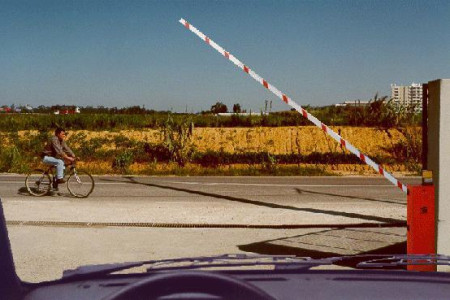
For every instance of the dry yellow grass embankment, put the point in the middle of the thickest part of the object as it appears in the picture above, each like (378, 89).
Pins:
(280, 140)
(286, 140)
(277, 140)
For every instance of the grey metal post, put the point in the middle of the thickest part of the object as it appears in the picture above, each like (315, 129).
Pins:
(438, 158)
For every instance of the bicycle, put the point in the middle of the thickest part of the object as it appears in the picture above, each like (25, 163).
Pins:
(39, 182)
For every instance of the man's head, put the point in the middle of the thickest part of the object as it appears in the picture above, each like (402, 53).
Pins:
(60, 133)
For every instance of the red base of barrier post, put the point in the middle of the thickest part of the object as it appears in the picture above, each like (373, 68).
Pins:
(421, 235)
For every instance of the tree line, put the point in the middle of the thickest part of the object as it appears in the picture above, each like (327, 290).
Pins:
(380, 112)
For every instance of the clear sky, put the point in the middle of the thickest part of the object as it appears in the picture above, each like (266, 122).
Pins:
(123, 53)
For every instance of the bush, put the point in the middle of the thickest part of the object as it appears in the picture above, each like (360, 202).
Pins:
(158, 153)
(12, 160)
(177, 140)
(210, 159)
(270, 161)
(408, 150)
(123, 161)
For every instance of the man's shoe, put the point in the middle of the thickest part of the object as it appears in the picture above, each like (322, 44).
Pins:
(61, 181)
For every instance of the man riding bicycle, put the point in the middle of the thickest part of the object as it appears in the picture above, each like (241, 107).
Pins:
(56, 152)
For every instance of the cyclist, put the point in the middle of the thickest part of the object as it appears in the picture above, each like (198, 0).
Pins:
(56, 152)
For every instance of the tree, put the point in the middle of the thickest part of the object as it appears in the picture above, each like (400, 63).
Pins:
(219, 107)
(237, 108)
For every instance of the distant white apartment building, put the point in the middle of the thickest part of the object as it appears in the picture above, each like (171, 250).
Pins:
(407, 96)
(353, 103)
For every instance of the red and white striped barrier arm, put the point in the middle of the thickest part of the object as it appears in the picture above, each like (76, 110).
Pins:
(297, 107)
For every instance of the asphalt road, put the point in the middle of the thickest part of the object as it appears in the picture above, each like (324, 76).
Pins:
(134, 218)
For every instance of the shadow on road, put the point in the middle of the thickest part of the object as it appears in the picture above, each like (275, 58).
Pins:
(301, 191)
(271, 248)
(23, 191)
(266, 204)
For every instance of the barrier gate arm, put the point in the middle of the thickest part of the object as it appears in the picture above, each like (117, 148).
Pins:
(297, 107)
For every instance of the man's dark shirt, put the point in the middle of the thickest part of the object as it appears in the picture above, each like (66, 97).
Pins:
(57, 149)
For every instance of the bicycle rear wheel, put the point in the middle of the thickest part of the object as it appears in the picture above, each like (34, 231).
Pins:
(80, 184)
(38, 182)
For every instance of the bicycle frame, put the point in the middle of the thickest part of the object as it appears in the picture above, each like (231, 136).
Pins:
(79, 183)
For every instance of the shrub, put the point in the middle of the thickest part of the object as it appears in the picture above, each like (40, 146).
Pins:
(408, 150)
(12, 160)
(159, 152)
(210, 159)
(177, 140)
(123, 161)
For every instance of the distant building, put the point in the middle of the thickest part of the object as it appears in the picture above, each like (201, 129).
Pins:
(407, 96)
(5, 109)
(228, 114)
(67, 111)
(353, 103)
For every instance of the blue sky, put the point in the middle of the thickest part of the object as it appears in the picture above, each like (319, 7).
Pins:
(122, 53)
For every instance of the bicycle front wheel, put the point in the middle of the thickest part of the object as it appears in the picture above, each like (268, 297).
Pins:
(38, 182)
(80, 184)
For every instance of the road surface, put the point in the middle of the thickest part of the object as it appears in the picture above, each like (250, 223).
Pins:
(134, 218)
